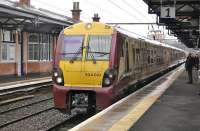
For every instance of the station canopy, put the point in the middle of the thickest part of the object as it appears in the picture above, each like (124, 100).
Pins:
(182, 18)
(28, 18)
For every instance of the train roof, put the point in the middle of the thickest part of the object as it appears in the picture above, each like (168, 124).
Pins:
(100, 25)
(137, 36)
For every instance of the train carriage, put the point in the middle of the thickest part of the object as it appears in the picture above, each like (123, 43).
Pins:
(95, 62)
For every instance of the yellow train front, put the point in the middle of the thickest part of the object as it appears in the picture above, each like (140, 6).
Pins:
(84, 67)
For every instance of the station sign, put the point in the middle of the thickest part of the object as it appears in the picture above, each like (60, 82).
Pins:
(167, 14)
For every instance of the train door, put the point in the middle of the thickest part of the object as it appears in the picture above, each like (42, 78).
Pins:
(122, 59)
(131, 51)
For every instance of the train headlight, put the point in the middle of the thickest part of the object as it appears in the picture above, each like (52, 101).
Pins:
(57, 76)
(109, 77)
(59, 80)
(107, 81)
(88, 26)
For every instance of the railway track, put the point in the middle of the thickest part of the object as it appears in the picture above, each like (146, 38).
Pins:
(23, 90)
(23, 106)
(34, 108)
(38, 115)
(24, 100)
(20, 113)
(73, 120)
(46, 120)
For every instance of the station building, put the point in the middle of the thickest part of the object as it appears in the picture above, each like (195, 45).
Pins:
(28, 36)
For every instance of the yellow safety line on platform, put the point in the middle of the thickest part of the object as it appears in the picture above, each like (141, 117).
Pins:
(137, 111)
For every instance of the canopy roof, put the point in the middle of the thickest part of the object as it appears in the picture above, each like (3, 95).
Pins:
(186, 25)
(14, 16)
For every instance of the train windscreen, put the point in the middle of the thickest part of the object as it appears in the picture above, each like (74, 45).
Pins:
(99, 47)
(72, 47)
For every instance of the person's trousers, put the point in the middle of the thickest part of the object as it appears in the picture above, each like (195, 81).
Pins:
(190, 76)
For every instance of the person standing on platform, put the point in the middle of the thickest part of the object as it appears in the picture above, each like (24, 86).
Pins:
(188, 66)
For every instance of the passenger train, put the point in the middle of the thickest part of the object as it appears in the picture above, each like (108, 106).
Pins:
(94, 63)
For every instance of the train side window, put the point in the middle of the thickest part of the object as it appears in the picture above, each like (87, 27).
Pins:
(122, 51)
(148, 59)
(152, 56)
(126, 56)
(133, 51)
(137, 56)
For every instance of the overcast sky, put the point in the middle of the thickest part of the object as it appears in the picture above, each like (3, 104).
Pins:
(109, 11)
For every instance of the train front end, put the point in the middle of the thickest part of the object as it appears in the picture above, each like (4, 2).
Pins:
(83, 71)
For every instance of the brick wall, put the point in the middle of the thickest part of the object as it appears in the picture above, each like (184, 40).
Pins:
(7, 69)
(39, 67)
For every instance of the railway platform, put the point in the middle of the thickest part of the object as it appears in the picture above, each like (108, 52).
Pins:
(15, 82)
(167, 104)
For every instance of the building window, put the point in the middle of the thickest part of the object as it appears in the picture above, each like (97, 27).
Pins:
(44, 47)
(34, 46)
(8, 46)
(8, 52)
(8, 36)
(51, 48)
(40, 47)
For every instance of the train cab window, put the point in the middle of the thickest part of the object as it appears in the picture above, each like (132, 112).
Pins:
(99, 47)
(72, 47)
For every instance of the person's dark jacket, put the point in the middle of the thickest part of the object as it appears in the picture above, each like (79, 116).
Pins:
(189, 63)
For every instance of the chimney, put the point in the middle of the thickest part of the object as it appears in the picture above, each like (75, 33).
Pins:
(24, 2)
(96, 18)
(76, 11)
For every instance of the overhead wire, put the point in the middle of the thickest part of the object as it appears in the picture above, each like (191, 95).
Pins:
(147, 17)
(107, 11)
(123, 9)
(144, 15)
(132, 7)
(53, 6)
(111, 2)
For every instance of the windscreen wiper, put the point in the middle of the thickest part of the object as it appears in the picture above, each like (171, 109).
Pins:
(89, 51)
(102, 53)
(76, 54)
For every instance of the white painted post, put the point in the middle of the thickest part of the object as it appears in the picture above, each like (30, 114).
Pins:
(18, 54)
